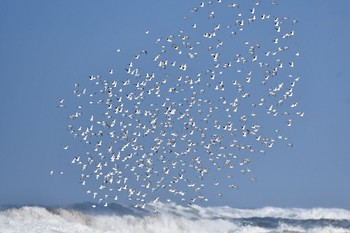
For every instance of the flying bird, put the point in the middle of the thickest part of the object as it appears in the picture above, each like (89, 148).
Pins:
(182, 113)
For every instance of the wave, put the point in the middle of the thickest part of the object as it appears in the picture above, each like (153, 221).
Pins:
(170, 217)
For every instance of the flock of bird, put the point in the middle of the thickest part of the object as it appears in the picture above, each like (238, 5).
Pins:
(189, 115)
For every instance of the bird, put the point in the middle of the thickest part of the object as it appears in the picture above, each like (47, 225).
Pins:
(61, 103)
(182, 113)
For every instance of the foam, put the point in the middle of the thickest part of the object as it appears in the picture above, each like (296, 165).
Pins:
(169, 218)
(273, 212)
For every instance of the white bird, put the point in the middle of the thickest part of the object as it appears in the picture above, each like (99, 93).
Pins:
(169, 117)
(61, 103)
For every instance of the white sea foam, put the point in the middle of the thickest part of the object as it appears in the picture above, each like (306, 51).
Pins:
(174, 218)
(290, 213)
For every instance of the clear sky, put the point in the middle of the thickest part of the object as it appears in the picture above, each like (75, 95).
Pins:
(47, 46)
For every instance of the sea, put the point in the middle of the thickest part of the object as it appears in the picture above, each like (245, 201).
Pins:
(170, 217)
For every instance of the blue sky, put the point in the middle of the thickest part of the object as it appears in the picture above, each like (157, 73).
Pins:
(47, 46)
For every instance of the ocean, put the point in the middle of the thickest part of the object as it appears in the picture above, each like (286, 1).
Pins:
(170, 218)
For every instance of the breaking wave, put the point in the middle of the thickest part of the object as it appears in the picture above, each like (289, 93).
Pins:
(170, 218)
